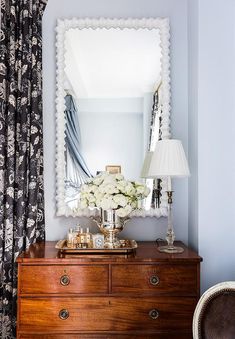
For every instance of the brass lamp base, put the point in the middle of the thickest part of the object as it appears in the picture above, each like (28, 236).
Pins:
(170, 249)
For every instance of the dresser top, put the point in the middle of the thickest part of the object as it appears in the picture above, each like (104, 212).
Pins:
(45, 252)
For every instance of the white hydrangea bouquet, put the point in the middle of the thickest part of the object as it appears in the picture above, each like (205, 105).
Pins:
(111, 191)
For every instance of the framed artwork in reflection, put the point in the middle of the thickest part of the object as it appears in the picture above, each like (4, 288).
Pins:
(113, 169)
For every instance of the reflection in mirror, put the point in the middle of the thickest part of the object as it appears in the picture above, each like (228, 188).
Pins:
(115, 101)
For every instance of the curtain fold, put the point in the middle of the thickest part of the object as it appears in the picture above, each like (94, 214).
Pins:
(21, 148)
(73, 134)
(77, 171)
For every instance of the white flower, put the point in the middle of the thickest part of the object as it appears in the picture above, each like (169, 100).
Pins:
(121, 200)
(123, 212)
(114, 205)
(128, 209)
(106, 203)
(140, 189)
(108, 188)
(121, 185)
(109, 178)
(98, 180)
(83, 195)
(91, 198)
(119, 177)
(130, 189)
(98, 194)
(112, 191)
(134, 204)
(93, 188)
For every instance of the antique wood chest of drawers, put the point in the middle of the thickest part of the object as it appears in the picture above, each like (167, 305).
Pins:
(146, 294)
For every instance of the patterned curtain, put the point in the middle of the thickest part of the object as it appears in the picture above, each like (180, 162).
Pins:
(21, 157)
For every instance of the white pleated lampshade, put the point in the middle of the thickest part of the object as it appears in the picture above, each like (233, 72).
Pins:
(168, 159)
(146, 164)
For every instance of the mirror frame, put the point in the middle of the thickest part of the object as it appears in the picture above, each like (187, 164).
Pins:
(62, 26)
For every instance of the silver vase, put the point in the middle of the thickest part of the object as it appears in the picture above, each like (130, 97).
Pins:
(110, 225)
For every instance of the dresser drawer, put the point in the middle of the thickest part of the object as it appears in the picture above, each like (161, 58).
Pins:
(159, 279)
(63, 279)
(173, 335)
(105, 314)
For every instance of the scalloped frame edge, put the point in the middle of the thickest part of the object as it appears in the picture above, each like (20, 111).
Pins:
(62, 26)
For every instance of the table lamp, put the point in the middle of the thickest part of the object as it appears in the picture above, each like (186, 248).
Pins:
(169, 160)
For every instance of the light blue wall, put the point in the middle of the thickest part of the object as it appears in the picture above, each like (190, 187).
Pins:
(216, 146)
(193, 121)
(112, 117)
(149, 228)
(211, 135)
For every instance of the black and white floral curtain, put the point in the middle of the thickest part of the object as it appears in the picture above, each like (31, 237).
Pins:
(21, 157)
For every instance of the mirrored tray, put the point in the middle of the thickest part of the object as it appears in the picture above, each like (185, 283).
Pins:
(126, 246)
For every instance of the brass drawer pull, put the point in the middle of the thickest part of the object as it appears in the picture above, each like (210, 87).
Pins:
(64, 314)
(154, 314)
(154, 280)
(64, 280)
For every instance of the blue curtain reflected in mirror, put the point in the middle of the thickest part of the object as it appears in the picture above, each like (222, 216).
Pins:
(77, 171)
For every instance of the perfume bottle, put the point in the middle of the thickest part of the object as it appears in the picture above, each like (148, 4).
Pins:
(77, 229)
(70, 238)
(76, 232)
(88, 238)
(82, 239)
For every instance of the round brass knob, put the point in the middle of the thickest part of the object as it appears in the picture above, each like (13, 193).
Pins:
(64, 314)
(154, 314)
(64, 280)
(154, 280)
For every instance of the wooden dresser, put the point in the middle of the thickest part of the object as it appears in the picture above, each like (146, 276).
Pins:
(144, 295)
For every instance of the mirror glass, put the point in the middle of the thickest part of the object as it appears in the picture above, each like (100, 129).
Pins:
(113, 103)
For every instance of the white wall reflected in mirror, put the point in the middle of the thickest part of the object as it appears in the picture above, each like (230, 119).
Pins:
(113, 74)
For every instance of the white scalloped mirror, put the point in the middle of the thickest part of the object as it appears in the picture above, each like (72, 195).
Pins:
(113, 101)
